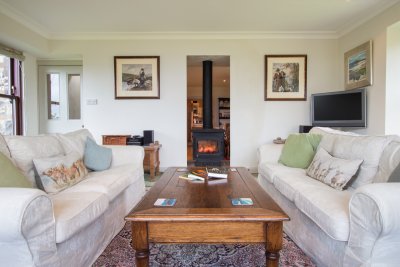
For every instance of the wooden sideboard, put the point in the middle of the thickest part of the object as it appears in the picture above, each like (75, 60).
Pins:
(151, 162)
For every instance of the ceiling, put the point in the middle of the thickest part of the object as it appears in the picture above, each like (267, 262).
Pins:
(82, 19)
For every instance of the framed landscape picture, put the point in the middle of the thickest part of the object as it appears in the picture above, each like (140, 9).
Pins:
(285, 77)
(358, 66)
(137, 77)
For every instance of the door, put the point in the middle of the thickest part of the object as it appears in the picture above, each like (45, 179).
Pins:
(60, 104)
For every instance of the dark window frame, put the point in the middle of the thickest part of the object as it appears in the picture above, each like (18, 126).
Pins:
(16, 94)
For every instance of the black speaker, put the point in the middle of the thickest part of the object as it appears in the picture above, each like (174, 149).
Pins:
(305, 128)
(148, 137)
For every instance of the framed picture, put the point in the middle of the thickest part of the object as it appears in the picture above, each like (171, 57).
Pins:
(137, 77)
(285, 77)
(358, 66)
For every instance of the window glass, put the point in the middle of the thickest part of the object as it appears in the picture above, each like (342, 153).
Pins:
(4, 75)
(53, 96)
(6, 116)
(74, 96)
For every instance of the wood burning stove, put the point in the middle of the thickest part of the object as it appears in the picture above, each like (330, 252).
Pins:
(208, 143)
(208, 147)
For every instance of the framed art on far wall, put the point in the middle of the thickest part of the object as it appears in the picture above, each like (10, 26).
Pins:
(358, 66)
(285, 77)
(137, 77)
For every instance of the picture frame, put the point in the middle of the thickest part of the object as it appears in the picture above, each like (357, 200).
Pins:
(137, 77)
(285, 78)
(358, 66)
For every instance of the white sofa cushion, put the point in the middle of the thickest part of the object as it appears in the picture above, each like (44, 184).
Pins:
(351, 146)
(24, 149)
(75, 141)
(388, 162)
(290, 183)
(327, 207)
(270, 170)
(110, 182)
(75, 210)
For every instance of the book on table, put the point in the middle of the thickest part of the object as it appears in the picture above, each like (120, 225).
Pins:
(195, 174)
(217, 172)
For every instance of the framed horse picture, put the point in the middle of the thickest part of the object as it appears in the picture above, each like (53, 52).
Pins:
(137, 77)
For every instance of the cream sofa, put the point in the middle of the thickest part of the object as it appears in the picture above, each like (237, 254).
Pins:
(72, 227)
(359, 226)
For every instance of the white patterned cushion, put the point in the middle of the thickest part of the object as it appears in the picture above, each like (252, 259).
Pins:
(332, 171)
(24, 149)
(75, 141)
(55, 174)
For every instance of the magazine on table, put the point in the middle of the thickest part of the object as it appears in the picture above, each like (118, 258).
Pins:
(217, 172)
(165, 202)
(242, 201)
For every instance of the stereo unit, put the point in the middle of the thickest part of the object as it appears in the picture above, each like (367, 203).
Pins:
(148, 137)
(135, 140)
(304, 128)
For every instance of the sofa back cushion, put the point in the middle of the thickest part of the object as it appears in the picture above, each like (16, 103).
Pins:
(351, 146)
(74, 141)
(389, 160)
(24, 149)
(299, 150)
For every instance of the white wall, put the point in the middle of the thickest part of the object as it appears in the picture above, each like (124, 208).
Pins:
(253, 120)
(393, 80)
(375, 30)
(30, 99)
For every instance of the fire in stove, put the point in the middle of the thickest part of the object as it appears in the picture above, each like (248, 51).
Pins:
(207, 146)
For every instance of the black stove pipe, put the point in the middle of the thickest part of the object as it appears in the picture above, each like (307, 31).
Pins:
(207, 95)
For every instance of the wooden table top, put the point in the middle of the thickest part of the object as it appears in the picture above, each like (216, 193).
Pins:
(207, 200)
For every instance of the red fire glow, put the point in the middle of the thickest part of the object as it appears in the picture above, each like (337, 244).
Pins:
(207, 147)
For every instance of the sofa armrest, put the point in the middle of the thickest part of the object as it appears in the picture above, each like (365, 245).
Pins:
(374, 225)
(269, 152)
(122, 155)
(27, 232)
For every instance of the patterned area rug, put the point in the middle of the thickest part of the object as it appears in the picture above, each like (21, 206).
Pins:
(120, 253)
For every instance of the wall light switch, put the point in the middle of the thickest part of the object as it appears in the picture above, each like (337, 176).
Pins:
(91, 101)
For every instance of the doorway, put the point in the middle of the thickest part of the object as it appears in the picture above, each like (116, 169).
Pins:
(60, 105)
(220, 98)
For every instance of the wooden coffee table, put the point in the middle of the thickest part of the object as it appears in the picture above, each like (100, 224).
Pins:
(203, 213)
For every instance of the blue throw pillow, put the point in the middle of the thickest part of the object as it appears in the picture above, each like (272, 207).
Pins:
(96, 158)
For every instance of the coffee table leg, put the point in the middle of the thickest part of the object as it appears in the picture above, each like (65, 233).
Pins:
(140, 243)
(273, 243)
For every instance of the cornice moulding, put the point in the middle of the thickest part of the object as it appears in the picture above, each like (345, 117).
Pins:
(14, 14)
(194, 35)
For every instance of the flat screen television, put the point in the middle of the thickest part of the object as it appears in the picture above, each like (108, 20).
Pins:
(340, 109)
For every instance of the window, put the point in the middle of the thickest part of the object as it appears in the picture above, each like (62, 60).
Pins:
(10, 96)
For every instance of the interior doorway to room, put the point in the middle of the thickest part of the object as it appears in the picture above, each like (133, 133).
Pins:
(60, 102)
(220, 106)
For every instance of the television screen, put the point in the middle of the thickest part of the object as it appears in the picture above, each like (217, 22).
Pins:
(340, 109)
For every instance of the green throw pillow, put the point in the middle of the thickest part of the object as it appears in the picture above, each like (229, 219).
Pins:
(10, 176)
(299, 150)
